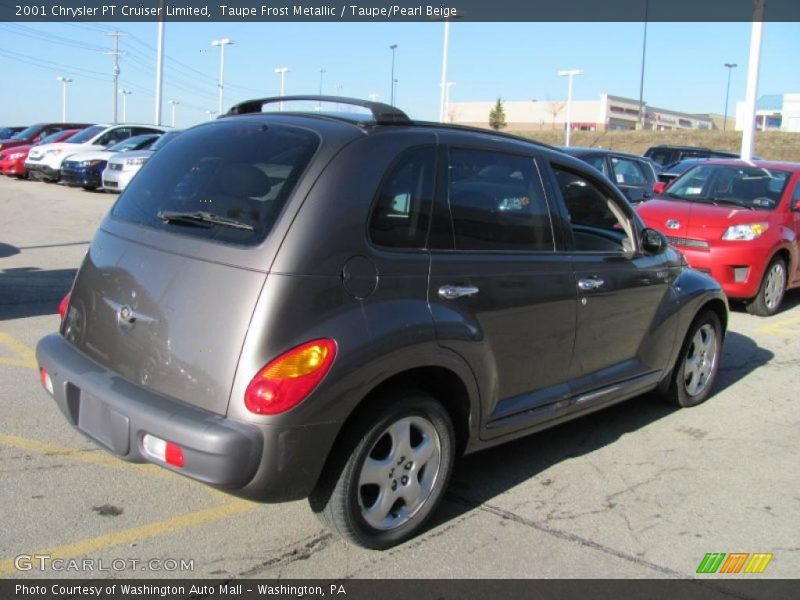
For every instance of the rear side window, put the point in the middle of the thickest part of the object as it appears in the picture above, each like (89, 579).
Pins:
(238, 171)
(403, 207)
(497, 202)
(627, 171)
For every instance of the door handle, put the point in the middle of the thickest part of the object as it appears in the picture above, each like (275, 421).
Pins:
(453, 292)
(589, 284)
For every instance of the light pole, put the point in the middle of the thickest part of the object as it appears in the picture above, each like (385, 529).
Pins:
(753, 66)
(730, 67)
(393, 48)
(64, 81)
(447, 87)
(211, 114)
(642, 112)
(125, 94)
(394, 91)
(221, 43)
(282, 71)
(373, 97)
(172, 105)
(569, 73)
(159, 66)
(444, 90)
(321, 73)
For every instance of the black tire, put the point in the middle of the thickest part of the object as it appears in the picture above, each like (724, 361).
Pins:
(682, 390)
(341, 502)
(770, 294)
(89, 188)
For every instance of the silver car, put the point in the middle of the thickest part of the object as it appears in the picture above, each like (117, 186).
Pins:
(123, 166)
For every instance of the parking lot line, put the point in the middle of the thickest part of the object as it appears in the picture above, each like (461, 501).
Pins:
(138, 533)
(23, 355)
(780, 327)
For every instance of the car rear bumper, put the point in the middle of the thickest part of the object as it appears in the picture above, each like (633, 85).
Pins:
(116, 181)
(259, 462)
(737, 269)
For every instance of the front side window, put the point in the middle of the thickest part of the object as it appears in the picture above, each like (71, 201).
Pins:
(225, 181)
(403, 206)
(598, 162)
(598, 223)
(497, 202)
(87, 134)
(114, 136)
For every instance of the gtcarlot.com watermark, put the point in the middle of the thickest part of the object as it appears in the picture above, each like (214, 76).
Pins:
(55, 564)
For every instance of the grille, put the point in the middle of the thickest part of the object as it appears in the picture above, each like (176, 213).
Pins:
(109, 184)
(688, 242)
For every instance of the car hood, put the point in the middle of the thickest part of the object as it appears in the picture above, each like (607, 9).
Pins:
(119, 157)
(15, 149)
(696, 219)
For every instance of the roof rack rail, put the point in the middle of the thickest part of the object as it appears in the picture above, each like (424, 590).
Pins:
(382, 114)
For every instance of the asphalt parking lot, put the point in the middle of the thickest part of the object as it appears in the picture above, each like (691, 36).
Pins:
(640, 490)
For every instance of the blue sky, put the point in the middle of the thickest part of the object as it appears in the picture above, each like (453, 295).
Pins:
(517, 61)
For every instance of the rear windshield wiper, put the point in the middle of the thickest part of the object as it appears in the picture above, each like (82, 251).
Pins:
(199, 217)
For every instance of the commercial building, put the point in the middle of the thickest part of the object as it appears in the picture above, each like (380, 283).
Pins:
(607, 113)
(773, 112)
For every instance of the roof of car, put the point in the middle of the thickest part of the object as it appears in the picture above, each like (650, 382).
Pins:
(765, 164)
(581, 150)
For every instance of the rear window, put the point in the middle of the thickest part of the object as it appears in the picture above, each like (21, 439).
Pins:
(87, 134)
(235, 171)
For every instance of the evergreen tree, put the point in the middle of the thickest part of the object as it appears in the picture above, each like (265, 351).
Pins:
(497, 116)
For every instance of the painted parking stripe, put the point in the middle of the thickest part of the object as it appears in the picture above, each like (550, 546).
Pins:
(782, 326)
(21, 355)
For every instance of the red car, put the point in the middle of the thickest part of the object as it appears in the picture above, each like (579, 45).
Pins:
(737, 221)
(12, 161)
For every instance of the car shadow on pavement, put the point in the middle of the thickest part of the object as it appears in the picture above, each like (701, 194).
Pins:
(480, 477)
(31, 292)
(7, 250)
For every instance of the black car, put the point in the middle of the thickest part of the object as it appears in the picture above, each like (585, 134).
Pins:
(670, 172)
(667, 155)
(632, 174)
(294, 304)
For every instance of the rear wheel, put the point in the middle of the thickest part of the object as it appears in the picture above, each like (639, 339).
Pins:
(89, 188)
(698, 363)
(386, 479)
(770, 294)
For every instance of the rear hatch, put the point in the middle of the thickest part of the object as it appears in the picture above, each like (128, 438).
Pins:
(167, 290)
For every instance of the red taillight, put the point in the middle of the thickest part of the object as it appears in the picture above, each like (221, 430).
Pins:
(47, 383)
(162, 450)
(290, 378)
(62, 306)
(174, 455)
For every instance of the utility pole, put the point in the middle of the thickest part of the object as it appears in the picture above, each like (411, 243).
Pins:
(393, 48)
(569, 73)
(443, 84)
(730, 67)
(211, 114)
(64, 81)
(221, 43)
(447, 87)
(282, 71)
(173, 104)
(159, 66)
(642, 112)
(116, 54)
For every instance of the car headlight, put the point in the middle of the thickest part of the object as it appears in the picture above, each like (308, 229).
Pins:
(745, 233)
(135, 162)
(90, 163)
(54, 152)
(16, 155)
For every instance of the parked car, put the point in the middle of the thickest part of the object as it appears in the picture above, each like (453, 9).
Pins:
(44, 162)
(7, 132)
(122, 167)
(633, 175)
(667, 155)
(12, 161)
(36, 133)
(740, 223)
(298, 304)
(670, 172)
(85, 169)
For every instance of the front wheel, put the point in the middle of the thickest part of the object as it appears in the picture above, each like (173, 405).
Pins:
(698, 363)
(770, 294)
(389, 473)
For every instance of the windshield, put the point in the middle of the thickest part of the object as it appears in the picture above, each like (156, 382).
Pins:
(170, 135)
(87, 134)
(234, 170)
(27, 133)
(137, 142)
(750, 187)
(51, 139)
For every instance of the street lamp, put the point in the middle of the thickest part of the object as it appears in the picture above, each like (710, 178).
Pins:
(444, 90)
(730, 67)
(373, 97)
(447, 87)
(569, 73)
(172, 105)
(393, 48)
(282, 71)
(394, 90)
(64, 81)
(125, 94)
(221, 43)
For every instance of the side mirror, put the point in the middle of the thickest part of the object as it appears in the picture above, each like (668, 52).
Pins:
(795, 205)
(38, 138)
(653, 242)
(659, 187)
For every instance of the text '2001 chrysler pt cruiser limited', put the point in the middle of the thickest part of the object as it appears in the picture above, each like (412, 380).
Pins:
(334, 306)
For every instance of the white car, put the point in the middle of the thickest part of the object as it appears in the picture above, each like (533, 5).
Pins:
(123, 166)
(44, 162)
(85, 169)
